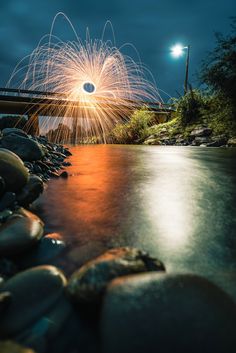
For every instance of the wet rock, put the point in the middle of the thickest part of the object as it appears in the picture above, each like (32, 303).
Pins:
(34, 292)
(13, 130)
(52, 327)
(12, 170)
(232, 142)
(19, 233)
(25, 148)
(201, 131)
(4, 215)
(217, 141)
(7, 268)
(5, 298)
(167, 313)
(90, 281)
(2, 186)
(46, 252)
(7, 200)
(30, 191)
(12, 347)
(64, 175)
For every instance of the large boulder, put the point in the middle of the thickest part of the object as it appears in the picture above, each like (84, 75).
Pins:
(232, 142)
(89, 282)
(12, 170)
(201, 131)
(19, 233)
(33, 293)
(167, 313)
(25, 148)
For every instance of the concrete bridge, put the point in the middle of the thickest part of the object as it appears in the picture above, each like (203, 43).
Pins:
(38, 103)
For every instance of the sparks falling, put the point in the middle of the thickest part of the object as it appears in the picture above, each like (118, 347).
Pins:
(97, 86)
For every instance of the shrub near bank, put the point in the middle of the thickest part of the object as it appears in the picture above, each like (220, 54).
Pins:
(135, 130)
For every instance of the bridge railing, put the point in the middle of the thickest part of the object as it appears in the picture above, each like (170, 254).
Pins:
(15, 92)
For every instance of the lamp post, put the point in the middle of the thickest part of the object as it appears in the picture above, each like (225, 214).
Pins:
(178, 51)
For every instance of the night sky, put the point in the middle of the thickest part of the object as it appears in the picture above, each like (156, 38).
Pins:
(152, 26)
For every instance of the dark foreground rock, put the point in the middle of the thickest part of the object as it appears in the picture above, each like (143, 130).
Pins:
(90, 281)
(31, 191)
(33, 292)
(26, 148)
(167, 314)
(19, 233)
(12, 171)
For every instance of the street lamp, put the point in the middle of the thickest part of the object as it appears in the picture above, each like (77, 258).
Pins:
(177, 51)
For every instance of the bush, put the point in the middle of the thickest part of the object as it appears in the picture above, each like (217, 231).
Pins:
(189, 107)
(134, 131)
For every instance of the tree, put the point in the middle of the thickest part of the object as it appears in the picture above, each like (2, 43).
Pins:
(219, 70)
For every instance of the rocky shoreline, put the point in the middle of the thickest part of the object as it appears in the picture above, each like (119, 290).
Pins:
(122, 301)
(201, 135)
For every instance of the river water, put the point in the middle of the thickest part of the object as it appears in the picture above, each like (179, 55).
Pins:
(178, 203)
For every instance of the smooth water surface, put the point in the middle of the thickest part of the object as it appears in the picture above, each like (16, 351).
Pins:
(178, 203)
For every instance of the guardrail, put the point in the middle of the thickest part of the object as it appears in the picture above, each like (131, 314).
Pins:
(17, 92)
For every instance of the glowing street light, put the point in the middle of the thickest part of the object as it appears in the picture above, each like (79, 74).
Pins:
(177, 51)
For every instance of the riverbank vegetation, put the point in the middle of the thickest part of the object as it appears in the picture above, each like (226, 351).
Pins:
(207, 113)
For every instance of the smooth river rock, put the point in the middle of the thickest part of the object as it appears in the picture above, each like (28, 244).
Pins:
(167, 314)
(47, 252)
(14, 130)
(30, 191)
(12, 170)
(19, 233)
(25, 148)
(90, 281)
(34, 292)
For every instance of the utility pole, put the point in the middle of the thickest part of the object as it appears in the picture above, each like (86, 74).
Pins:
(186, 70)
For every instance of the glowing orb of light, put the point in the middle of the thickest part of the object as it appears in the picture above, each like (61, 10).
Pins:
(95, 84)
(89, 87)
(177, 50)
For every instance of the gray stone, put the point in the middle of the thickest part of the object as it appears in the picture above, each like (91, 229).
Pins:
(90, 281)
(25, 148)
(19, 233)
(12, 170)
(30, 191)
(34, 292)
(232, 142)
(167, 313)
(201, 131)
(200, 140)
(152, 141)
(14, 130)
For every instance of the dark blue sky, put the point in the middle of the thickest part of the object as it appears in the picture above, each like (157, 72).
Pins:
(152, 26)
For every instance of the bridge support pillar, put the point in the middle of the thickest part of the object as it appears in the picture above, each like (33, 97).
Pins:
(32, 125)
